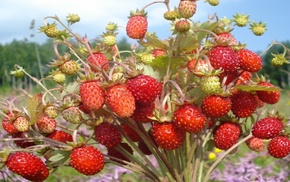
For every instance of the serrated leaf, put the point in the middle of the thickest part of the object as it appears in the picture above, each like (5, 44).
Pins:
(33, 105)
(59, 157)
(205, 26)
(249, 88)
(155, 42)
(188, 43)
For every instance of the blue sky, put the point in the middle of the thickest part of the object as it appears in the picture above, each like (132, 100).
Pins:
(16, 16)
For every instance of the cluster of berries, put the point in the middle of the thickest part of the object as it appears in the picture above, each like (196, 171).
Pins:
(190, 93)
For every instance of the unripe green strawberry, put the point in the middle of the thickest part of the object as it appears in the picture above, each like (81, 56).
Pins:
(170, 15)
(110, 40)
(213, 2)
(73, 18)
(58, 78)
(50, 30)
(21, 124)
(46, 124)
(210, 85)
(279, 60)
(182, 26)
(147, 58)
(17, 73)
(241, 20)
(255, 144)
(258, 28)
(72, 115)
(51, 111)
(69, 67)
(186, 8)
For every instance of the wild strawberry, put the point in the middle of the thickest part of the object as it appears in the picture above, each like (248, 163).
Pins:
(223, 57)
(226, 135)
(51, 111)
(186, 8)
(236, 77)
(215, 106)
(98, 60)
(255, 144)
(21, 124)
(267, 128)
(109, 40)
(226, 37)
(115, 152)
(147, 58)
(143, 112)
(279, 60)
(87, 160)
(182, 26)
(72, 115)
(259, 102)
(269, 97)
(24, 143)
(27, 165)
(241, 20)
(258, 28)
(279, 146)
(189, 118)
(213, 2)
(7, 124)
(50, 30)
(249, 61)
(144, 148)
(60, 136)
(167, 135)
(197, 67)
(69, 67)
(144, 88)
(244, 104)
(58, 78)
(158, 52)
(137, 25)
(92, 95)
(46, 124)
(107, 134)
(121, 100)
(170, 15)
(131, 133)
(210, 85)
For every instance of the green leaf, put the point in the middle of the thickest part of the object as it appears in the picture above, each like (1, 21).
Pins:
(205, 26)
(33, 106)
(153, 41)
(188, 43)
(249, 88)
(59, 157)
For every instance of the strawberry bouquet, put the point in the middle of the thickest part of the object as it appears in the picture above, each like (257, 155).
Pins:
(171, 101)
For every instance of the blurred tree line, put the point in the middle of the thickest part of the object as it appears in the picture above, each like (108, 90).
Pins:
(28, 54)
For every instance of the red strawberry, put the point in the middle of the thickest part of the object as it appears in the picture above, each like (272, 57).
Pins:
(131, 133)
(92, 95)
(189, 118)
(279, 146)
(60, 136)
(223, 57)
(7, 124)
(237, 77)
(46, 124)
(182, 25)
(115, 152)
(87, 160)
(121, 100)
(255, 144)
(27, 165)
(249, 61)
(243, 104)
(197, 67)
(226, 135)
(269, 97)
(107, 134)
(167, 135)
(267, 128)
(144, 88)
(137, 25)
(143, 112)
(98, 60)
(24, 143)
(158, 52)
(215, 106)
